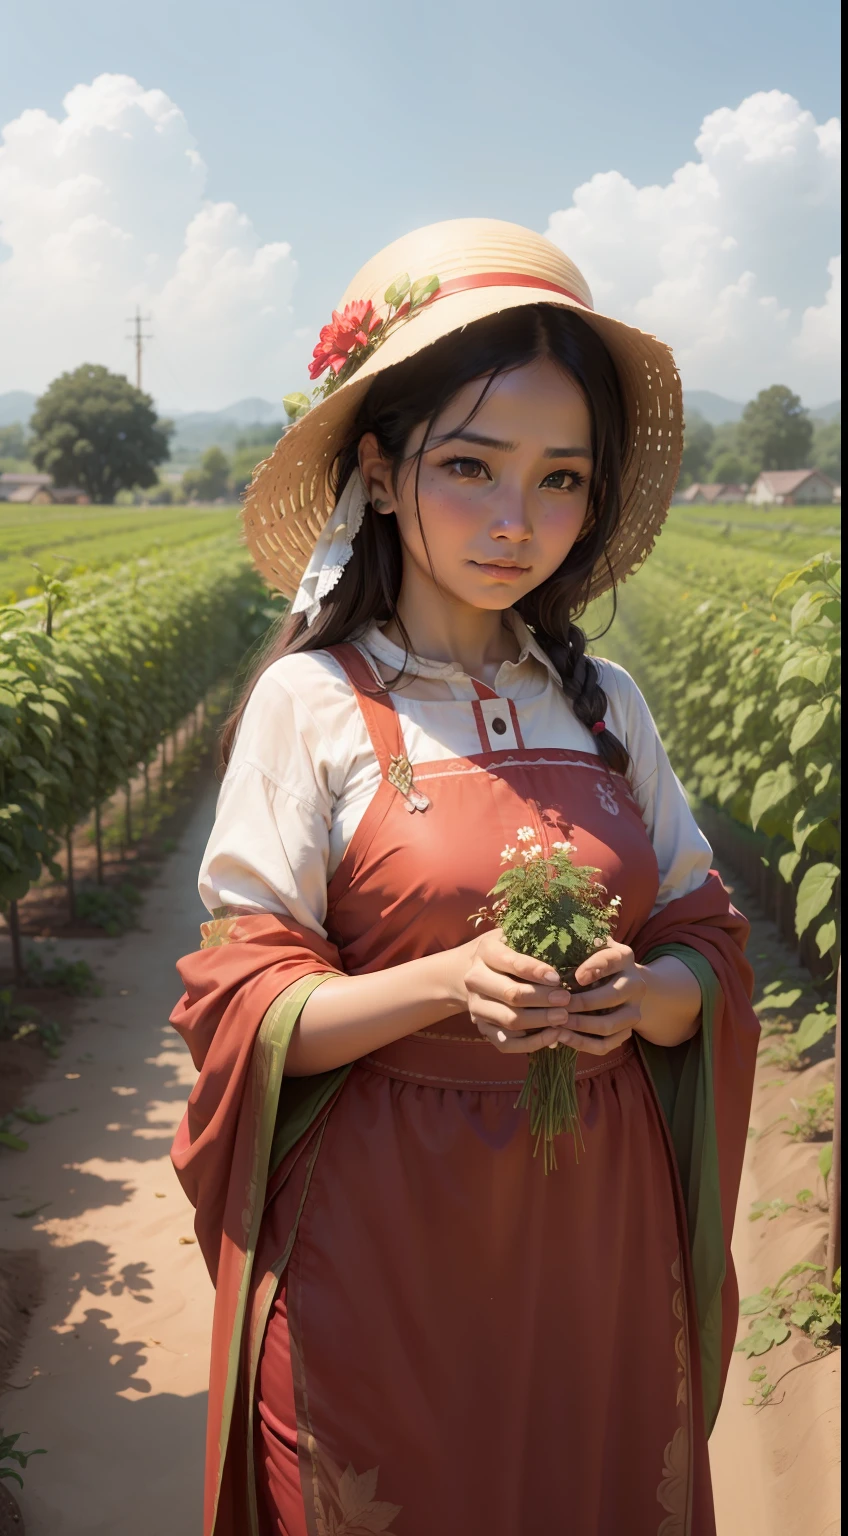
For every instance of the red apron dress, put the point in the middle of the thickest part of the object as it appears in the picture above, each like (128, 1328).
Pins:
(460, 1345)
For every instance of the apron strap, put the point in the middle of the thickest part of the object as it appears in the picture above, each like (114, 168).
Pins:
(381, 718)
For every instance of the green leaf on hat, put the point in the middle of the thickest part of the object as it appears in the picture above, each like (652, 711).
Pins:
(295, 405)
(397, 291)
(422, 289)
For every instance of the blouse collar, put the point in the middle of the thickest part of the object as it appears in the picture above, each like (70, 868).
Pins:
(393, 655)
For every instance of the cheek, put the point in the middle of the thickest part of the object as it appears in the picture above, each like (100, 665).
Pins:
(448, 518)
(558, 529)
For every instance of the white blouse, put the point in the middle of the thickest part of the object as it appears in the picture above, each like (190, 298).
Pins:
(303, 770)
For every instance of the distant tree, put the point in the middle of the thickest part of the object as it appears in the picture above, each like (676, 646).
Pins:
(162, 495)
(775, 431)
(260, 435)
(697, 443)
(730, 468)
(92, 428)
(211, 480)
(13, 442)
(827, 449)
(245, 460)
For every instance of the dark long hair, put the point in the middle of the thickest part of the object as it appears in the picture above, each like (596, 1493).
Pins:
(417, 391)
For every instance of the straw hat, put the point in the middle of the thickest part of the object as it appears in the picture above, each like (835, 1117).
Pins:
(483, 266)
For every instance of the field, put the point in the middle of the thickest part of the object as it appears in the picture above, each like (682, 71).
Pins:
(86, 539)
(702, 550)
(732, 631)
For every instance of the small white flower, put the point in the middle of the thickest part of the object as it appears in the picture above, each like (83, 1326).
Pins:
(536, 851)
(525, 834)
(563, 847)
(616, 901)
(508, 854)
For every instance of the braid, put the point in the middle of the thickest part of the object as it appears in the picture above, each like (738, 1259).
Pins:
(582, 685)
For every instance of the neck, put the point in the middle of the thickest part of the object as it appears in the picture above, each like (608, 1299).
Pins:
(442, 629)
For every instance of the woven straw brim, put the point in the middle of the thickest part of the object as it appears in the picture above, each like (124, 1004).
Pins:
(290, 497)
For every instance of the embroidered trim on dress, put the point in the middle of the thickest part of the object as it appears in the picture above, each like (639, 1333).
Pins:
(674, 1489)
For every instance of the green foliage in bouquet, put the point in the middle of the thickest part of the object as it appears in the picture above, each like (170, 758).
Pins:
(556, 911)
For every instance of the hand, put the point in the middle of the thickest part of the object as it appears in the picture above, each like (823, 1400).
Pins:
(516, 1002)
(602, 1019)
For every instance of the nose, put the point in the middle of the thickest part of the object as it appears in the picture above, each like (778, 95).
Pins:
(511, 521)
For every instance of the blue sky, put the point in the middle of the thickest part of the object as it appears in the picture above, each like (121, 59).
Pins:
(335, 127)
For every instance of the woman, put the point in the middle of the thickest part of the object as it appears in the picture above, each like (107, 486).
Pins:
(416, 1330)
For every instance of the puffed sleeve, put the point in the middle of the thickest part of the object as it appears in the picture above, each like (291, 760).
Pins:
(269, 847)
(683, 854)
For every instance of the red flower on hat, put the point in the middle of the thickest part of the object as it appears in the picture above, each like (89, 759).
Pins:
(352, 327)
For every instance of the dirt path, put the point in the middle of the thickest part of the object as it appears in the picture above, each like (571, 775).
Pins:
(114, 1369)
(776, 1468)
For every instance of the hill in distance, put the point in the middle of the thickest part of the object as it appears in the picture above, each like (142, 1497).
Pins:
(716, 410)
(198, 430)
(17, 405)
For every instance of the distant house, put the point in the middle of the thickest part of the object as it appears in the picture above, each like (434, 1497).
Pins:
(699, 495)
(39, 490)
(791, 488)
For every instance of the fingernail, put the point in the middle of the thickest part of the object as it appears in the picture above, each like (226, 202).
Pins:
(551, 977)
(558, 1016)
(501, 1037)
(559, 997)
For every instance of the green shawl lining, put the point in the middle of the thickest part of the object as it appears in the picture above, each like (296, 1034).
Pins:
(682, 1076)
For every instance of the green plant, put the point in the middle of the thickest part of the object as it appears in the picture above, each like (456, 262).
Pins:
(82, 708)
(807, 1305)
(791, 1048)
(20, 1020)
(799, 800)
(47, 969)
(555, 910)
(10, 1138)
(745, 689)
(10, 1453)
(112, 908)
(771, 1209)
(815, 1115)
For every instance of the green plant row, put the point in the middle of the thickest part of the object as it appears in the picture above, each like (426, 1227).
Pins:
(746, 695)
(81, 539)
(82, 707)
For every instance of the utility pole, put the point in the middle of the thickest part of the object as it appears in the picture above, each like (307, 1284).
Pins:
(139, 337)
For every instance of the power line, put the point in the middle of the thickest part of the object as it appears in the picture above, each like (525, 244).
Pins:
(139, 337)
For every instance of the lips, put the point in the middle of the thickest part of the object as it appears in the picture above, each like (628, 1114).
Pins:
(503, 572)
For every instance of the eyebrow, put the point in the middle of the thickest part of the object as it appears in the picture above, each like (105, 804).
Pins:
(505, 447)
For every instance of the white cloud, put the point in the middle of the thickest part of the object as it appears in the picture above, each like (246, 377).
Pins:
(729, 261)
(104, 209)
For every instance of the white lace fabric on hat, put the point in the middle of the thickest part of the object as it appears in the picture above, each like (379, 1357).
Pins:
(332, 550)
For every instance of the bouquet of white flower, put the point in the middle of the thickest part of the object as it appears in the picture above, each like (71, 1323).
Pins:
(555, 910)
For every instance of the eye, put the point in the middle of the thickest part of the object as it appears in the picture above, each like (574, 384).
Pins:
(564, 480)
(467, 469)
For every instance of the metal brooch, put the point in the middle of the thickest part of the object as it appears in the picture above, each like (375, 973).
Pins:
(400, 777)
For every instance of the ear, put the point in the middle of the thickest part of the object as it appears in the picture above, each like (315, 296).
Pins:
(377, 473)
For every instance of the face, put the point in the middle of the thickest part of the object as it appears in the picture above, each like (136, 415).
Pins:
(503, 499)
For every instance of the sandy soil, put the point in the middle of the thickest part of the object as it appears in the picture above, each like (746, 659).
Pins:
(113, 1374)
(112, 1377)
(776, 1467)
